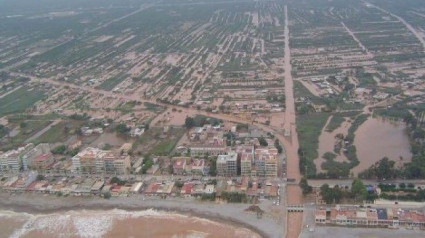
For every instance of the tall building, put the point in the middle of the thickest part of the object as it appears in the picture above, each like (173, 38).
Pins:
(85, 161)
(270, 166)
(11, 161)
(96, 161)
(38, 157)
(266, 162)
(246, 164)
(227, 165)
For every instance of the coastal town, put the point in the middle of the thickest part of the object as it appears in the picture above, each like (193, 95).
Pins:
(249, 169)
(251, 118)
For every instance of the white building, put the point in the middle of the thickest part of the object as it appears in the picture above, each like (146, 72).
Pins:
(96, 161)
(11, 161)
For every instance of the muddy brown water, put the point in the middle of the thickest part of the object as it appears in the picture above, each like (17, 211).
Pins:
(377, 138)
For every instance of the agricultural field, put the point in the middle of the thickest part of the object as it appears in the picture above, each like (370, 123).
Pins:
(20, 100)
(128, 61)
(200, 54)
(349, 59)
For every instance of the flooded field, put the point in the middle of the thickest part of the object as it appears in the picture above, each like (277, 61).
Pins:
(114, 223)
(377, 138)
(327, 141)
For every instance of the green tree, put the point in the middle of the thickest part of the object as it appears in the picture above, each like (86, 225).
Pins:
(189, 122)
(107, 195)
(263, 141)
(213, 166)
(122, 129)
(358, 190)
(330, 195)
(59, 150)
(147, 164)
(118, 181)
(305, 186)
(278, 146)
(385, 169)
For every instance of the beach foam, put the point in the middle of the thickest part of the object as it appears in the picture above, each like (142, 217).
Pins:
(97, 223)
(92, 226)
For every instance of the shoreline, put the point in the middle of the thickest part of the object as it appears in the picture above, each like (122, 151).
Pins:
(203, 210)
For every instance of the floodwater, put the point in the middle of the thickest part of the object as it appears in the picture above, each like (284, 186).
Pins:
(327, 142)
(114, 223)
(377, 138)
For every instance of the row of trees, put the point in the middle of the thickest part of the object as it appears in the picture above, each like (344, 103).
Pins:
(358, 192)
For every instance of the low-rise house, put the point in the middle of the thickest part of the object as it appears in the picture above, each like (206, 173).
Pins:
(136, 187)
(320, 216)
(187, 189)
(84, 189)
(97, 187)
(371, 217)
(160, 188)
(179, 165)
(135, 132)
(209, 189)
(120, 191)
(198, 167)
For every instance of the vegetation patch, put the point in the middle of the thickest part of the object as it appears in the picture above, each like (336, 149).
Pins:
(20, 100)
(59, 132)
(309, 127)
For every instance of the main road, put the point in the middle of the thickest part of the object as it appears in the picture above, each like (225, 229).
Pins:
(290, 142)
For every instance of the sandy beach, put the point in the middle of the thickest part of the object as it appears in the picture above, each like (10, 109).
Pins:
(228, 214)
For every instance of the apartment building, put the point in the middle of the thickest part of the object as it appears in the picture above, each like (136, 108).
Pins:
(96, 161)
(246, 164)
(227, 165)
(215, 146)
(265, 162)
(36, 154)
(11, 161)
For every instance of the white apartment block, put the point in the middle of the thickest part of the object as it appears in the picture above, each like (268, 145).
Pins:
(11, 161)
(96, 161)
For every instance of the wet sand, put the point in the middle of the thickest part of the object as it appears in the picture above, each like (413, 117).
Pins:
(115, 223)
(377, 138)
(222, 214)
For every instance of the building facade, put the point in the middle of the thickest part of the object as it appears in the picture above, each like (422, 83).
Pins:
(227, 165)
